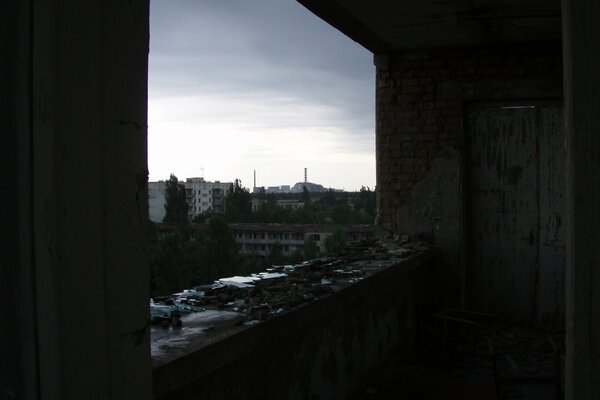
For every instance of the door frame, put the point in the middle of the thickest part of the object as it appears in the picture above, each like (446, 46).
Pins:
(466, 219)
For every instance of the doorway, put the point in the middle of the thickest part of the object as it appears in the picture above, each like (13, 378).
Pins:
(516, 211)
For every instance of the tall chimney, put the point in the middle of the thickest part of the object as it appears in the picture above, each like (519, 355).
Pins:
(305, 176)
(254, 187)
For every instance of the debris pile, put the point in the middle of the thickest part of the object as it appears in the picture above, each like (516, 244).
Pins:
(282, 288)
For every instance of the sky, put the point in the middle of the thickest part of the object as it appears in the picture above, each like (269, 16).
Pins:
(239, 85)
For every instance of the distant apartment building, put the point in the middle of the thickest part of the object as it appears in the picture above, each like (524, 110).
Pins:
(259, 239)
(290, 204)
(287, 204)
(297, 188)
(202, 196)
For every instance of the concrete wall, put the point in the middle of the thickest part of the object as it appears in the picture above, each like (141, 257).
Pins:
(324, 350)
(18, 368)
(515, 191)
(78, 307)
(421, 101)
(582, 102)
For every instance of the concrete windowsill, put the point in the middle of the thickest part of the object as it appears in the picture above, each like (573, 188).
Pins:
(326, 347)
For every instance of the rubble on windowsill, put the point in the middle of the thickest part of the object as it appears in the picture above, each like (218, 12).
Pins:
(207, 312)
(281, 288)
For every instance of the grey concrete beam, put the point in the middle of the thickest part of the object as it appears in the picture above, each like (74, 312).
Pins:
(340, 17)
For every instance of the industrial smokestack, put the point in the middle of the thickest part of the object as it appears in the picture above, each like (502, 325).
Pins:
(254, 187)
(305, 176)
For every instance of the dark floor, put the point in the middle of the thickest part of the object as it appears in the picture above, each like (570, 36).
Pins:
(454, 359)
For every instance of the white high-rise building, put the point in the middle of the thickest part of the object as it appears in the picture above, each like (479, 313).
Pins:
(201, 196)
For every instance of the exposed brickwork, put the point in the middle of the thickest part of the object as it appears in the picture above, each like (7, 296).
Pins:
(421, 96)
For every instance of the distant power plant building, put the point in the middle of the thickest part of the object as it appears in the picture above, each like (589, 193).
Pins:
(297, 188)
(202, 196)
(311, 187)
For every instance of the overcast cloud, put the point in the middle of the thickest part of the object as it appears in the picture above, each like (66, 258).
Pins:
(238, 85)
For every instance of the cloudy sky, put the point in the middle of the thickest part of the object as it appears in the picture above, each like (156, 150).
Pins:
(240, 85)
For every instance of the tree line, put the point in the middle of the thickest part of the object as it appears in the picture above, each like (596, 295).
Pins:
(339, 208)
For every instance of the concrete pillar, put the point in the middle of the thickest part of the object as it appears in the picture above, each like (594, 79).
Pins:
(18, 365)
(74, 273)
(582, 105)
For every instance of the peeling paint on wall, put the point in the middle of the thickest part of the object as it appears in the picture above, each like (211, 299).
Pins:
(516, 169)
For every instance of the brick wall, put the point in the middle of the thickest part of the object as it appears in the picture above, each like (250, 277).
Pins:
(421, 97)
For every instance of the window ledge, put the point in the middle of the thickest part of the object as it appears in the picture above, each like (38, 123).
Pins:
(326, 348)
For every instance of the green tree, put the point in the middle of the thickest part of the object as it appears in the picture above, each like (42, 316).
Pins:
(305, 197)
(262, 193)
(238, 207)
(221, 249)
(296, 257)
(275, 254)
(202, 218)
(336, 242)
(195, 258)
(342, 214)
(167, 265)
(365, 203)
(268, 211)
(310, 248)
(176, 206)
(329, 199)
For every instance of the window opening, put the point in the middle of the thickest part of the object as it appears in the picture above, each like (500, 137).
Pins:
(258, 113)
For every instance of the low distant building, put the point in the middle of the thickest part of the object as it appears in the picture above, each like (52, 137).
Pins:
(290, 204)
(287, 204)
(272, 189)
(259, 239)
(202, 196)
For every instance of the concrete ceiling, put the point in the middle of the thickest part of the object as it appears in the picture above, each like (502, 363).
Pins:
(393, 25)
